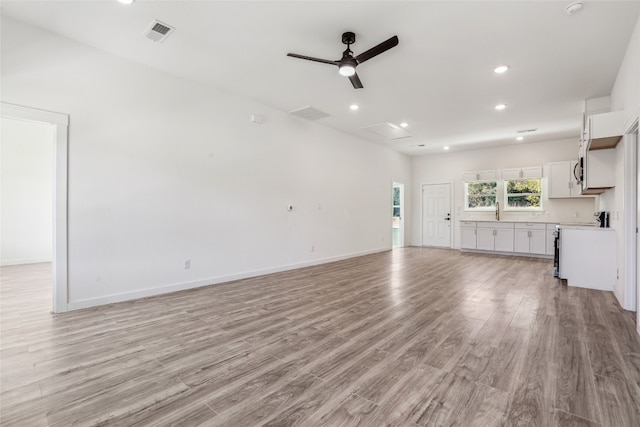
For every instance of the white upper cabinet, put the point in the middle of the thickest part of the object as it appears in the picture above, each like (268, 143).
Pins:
(484, 175)
(522, 173)
(604, 130)
(562, 180)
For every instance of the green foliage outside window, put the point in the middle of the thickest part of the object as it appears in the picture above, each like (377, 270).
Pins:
(523, 193)
(481, 194)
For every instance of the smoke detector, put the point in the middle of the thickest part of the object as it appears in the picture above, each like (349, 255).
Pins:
(574, 7)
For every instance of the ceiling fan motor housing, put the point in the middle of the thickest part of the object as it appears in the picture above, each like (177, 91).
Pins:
(348, 38)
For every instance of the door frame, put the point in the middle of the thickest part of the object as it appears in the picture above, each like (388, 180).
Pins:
(451, 193)
(401, 232)
(60, 288)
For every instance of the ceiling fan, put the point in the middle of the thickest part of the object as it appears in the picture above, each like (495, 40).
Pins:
(347, 65)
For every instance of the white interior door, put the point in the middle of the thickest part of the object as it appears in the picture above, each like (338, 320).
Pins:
(436, 215)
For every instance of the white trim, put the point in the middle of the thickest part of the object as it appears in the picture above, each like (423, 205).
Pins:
(60, 263)
(21, 261)
(629, 226)
(451, 203)
(144, 293)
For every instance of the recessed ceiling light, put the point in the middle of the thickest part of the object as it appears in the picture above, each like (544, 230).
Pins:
(354, 107)
(446, 147)
(500, 107)
(126, 1)
(574, 7)
(501, 69)
(404, 124)
(519, 138)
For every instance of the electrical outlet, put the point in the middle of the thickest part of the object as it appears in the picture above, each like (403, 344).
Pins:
(289, 208)
(187, 264)
(313, 248)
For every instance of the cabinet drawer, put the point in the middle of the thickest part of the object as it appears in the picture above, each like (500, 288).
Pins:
(531, 225)
(496, 225)
(468, 224)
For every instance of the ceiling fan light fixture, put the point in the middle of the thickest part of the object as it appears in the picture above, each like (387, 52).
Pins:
(574, 7)
(347, 70)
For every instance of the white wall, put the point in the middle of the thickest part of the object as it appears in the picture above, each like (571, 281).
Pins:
(27, 192)
(449, 166)
(625, 96)
(162, 170)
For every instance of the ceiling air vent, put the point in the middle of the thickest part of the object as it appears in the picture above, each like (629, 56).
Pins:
(158, 31)
(309, 113)
(387, 130)
(526, 130)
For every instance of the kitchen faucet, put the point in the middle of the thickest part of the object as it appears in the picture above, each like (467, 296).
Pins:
(497, 211)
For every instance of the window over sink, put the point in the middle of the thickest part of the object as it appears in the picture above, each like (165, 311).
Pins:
(523, 194)
(480, 195)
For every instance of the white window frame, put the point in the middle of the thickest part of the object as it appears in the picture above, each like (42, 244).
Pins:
(505, 197)
(480, 209)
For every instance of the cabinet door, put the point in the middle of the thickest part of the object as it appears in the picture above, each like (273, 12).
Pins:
(487, 175)
(511, 173)
(470, 176)
(468, 238)
(522, 241)
(531, 172)
(559, 180)
(504, 240)
(485, 239)
(537, 242)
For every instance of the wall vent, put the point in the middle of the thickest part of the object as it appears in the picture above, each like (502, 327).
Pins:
(309, 113)
(388, 130)
(158, 31)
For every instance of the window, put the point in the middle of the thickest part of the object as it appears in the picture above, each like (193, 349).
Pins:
(480, 195)
(396, 202)
(523, 194)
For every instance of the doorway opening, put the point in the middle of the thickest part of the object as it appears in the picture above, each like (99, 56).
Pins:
(397, 225)
(29, 118)
(436, 215)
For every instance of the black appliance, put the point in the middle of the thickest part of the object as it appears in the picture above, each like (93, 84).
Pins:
(556, 252)
(578, 170)
(603, 218)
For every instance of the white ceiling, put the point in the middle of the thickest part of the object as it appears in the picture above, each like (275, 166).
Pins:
(439, 78)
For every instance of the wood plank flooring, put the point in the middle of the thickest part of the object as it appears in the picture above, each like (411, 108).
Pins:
(410, 337)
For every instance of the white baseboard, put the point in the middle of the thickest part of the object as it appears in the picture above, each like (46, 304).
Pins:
(145, 293)
(8, 262)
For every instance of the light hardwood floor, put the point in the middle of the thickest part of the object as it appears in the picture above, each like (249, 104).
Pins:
(412, 337)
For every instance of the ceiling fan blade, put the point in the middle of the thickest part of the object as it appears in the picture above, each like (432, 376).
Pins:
(311, 58)
(355, 81)
(377, 50)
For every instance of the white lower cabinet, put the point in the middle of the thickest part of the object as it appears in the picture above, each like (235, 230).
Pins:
(495, 236)
(468, 235)
(518, 237)
(530, 238)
